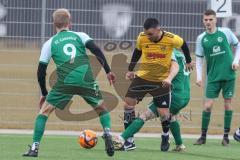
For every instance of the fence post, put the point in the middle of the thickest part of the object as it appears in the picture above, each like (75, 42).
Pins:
(43, 22)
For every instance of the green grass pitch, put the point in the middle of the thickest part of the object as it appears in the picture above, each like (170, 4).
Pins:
(67, 148)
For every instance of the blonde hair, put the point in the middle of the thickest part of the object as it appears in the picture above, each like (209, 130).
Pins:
(61, 18)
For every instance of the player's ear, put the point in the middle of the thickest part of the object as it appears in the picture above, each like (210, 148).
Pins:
(54, 28)
(70, 24)
(158, 29)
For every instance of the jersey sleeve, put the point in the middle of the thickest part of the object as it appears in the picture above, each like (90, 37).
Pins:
(231, 37)
(46, 53)
(177, 41)
(199, 48)
(138, 43)
(84, 37)
(173, 56)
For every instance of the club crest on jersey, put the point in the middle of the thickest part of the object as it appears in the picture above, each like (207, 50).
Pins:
(147, 46)
(205, 40)
(163, 48)
(219, 39)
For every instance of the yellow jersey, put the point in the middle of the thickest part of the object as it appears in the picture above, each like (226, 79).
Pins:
(156, 57)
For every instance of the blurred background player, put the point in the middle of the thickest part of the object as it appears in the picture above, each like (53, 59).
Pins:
(154, 47)
(180, 98)
(75, 77)
(215, 45)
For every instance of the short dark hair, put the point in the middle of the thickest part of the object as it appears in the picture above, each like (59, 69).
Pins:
(210, 12)
(151, 23)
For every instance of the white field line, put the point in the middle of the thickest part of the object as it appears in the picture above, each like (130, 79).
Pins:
(76, 133)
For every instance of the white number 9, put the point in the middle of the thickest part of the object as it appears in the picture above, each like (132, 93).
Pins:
(72, 51)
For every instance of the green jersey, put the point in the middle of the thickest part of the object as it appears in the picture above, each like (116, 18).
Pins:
(68, 51)
(216, 48)
(181, 83)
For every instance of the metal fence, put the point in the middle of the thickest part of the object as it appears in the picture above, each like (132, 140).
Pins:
(26, 24)
(31, 20)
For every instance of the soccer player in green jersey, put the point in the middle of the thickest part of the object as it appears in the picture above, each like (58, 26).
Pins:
(180, 98)
(215, 45)
(74, 77)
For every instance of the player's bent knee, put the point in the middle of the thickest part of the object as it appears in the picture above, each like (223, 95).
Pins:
(163, 112)
(147, 116)
(46, 109)
(173, 118)
(208, 106)
(227, 103)
(208, 109)
(101, 109)
(129, 103)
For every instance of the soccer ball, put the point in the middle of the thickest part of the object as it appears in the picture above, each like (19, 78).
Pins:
(88, 139)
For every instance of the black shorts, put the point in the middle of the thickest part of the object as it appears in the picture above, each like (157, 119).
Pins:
(140, 87)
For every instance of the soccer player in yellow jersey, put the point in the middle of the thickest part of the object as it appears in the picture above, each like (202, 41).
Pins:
(154, 47)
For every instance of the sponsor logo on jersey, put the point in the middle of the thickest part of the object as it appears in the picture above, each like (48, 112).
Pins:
(219, 39)
(216, 51)
(156, 55)
(205, 40)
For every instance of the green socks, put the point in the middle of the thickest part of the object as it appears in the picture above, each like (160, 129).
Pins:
(175, 129)
(135, 126)
(228, 118)
(227, 122)
(39, 128)
(105, 120)
(205, 122)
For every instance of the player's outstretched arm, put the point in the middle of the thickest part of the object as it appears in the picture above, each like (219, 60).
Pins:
(173, 72)
(135, 58)
(199, 63)
(235, 64)
(186, 52)
(41, 76)
(102, 59)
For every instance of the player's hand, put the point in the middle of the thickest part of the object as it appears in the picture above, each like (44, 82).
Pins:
(111, 78)
(235, 66)
(189, 66)
(166, 82)
(41, 101)
(130, 75)
(199, 83)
